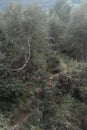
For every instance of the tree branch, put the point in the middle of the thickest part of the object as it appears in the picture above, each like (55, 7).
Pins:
(27, 59)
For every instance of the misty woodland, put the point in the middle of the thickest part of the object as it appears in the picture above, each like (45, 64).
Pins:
(43, 67)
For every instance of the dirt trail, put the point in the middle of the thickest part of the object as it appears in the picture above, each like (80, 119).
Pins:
(24, 116)
(23, 119)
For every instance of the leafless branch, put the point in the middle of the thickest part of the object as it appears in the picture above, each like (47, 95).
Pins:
(27, 59)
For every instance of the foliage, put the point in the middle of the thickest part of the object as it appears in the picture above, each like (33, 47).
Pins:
(76, 35)
(17, 26)
(59, 18)
(3, 123)
(51, 88)
(53, 62)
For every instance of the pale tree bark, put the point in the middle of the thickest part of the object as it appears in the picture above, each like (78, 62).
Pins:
(27, 59)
